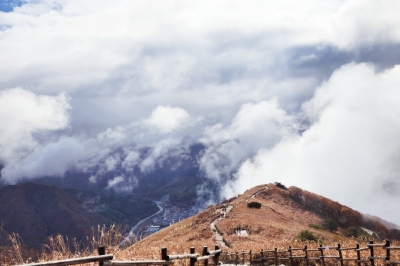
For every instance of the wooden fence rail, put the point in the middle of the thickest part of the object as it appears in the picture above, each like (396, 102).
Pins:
(292, 256)
(73, 261)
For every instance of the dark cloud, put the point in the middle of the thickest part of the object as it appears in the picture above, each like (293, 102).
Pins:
(322, 61)
(390, 187)
(383, 56)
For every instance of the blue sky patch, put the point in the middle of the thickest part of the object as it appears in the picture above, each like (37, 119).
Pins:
(8, 5)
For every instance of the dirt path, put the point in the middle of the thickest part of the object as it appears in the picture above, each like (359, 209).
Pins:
(219, 238)
(254, 195)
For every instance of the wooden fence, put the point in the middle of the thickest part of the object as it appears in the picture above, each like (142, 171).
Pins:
(288, 256)
(291, 256)
(107, 260)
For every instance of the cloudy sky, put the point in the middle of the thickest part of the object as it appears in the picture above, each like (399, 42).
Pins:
(306, 93)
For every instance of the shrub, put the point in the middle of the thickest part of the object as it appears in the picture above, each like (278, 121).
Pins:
(356, 232)
(296, 194)
(306, 235)
(330, 224)
(352, 231)
(279, 185)
(254, 204)
(316, 226)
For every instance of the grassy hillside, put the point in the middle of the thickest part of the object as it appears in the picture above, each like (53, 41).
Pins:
(276, 224)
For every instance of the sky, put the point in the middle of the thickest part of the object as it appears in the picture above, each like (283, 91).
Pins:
(306, 94)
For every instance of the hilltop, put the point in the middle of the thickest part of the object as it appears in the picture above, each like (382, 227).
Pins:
(284, 213)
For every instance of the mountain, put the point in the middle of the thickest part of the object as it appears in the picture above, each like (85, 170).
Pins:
(36, 211)
(284, 213)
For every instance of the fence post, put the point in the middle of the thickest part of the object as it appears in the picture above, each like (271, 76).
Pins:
(250, 257)
(192, 260)
(243, 257)
(387, 244)
(290, 255)
(340, 254)
(358, 255)
(262, 256)
(306, 254)
(276, 256)
(102, 251)
(205, 253)
(164, 255)
(237, 258)
(371, 248)
(216, 256)
(322, 254)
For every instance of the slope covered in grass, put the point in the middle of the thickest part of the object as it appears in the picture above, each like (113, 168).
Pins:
(280, 219)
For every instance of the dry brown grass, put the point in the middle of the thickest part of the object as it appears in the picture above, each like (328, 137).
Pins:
(279, 220)
(177, 238)
(275, 225)
(15, 254)
(59, 247)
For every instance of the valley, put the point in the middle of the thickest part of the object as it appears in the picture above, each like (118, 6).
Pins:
(167, 215)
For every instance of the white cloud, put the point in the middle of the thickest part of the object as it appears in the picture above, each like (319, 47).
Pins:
(111, 162)
(161, 151)
(131, 159)
(51, 159)
(24, 114)
(122, 184)
(255, 126)
(69, 45)
(349, 152)
(167, 118)
(359, 22)
(116, 180)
